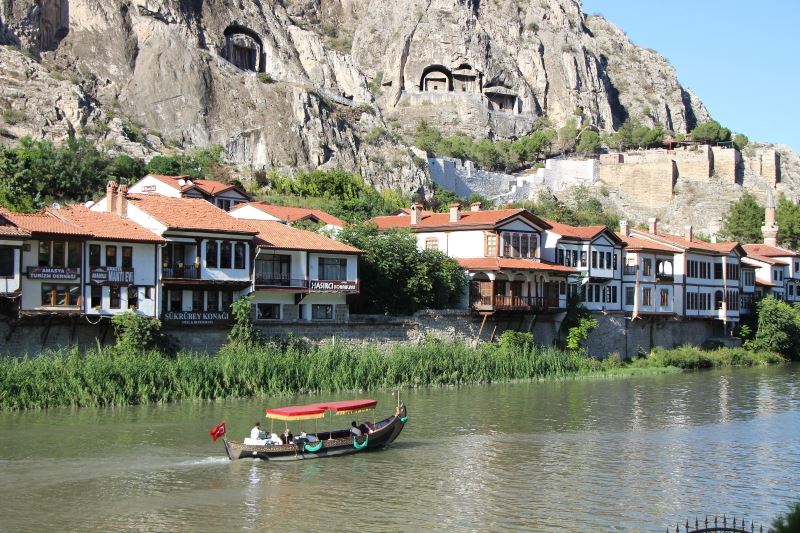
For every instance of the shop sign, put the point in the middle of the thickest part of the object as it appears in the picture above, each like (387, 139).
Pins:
(196, 318)
(62, 273)
(318, 285)
(112, 276)
(148, 189)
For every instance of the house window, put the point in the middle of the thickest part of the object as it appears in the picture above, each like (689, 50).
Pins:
(115, 300)
(111, 256)
(176, 300)
(211, 254)
(525, 246)
(133, 297)
(238, 255)
(60, 295)
(197, 300)
(647, 296)
(59, 254)
(431, 243)
(227, 300)
(274, 269)
(647, 267)
(225, 205)
(717, 270)
(96, 301)
(226, 255)
(630, 295)
(322, 312)
(718, 299)
(268, 311)
(561, 256)
(127, 257)
(594, 259)
(506, 245)
(147, 293)
(608, 259)
(6, 262)
(615, 261)
(212, 301)
(94, 255)
(491, 245)
(664, 298)
(583, 258)
(332, 269)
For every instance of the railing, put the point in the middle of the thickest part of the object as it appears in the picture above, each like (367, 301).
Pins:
(664, 277)
(180, 272)
(271, 280)
(501, 302)
(630, 270)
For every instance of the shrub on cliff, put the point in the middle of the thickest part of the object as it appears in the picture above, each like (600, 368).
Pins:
(711, 131)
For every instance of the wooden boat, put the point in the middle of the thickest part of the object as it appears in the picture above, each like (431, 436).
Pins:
(377, 435)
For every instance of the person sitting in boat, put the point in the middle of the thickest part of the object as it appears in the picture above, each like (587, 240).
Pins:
(275, 439)
(288, 438)
(354, 429)
(256, 433)
(308, 438)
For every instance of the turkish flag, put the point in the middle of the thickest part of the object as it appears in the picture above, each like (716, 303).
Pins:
(218, 431)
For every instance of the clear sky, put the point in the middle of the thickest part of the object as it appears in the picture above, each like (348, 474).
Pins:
(742, 58)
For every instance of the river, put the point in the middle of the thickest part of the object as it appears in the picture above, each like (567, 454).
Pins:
(625, 454)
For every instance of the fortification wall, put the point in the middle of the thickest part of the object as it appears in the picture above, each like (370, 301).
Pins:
(693, 162)
(765, 162)
(648, 183)
(726, 163)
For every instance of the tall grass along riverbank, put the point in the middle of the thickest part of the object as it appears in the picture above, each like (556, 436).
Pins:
(118, 377)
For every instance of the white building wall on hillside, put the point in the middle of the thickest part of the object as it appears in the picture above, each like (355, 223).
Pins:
(458, 244)
(352, 265)
(144, 265)
(249, 212)
(225, 273)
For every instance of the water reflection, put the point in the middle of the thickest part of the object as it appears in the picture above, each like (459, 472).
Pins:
(627, 454)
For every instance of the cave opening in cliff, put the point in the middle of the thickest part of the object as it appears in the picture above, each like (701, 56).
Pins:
(436, 78)
(466, 79)
(244, 48)
(53, 23)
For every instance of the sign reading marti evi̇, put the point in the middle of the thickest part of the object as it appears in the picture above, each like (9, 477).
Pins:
(112, 276)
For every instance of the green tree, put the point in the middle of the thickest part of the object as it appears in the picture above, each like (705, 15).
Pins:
(740, 141)
(744, 220)
(137, 334)
(198, 163)
(567, 136)
(787, 216)
(588, 142)
(710, 132)
(396, 277)
(243, 332)
(788, 523)
(778, 326)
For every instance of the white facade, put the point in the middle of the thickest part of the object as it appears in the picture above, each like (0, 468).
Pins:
(120, 281)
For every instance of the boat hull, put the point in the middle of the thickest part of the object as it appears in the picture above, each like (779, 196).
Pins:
(385, 433)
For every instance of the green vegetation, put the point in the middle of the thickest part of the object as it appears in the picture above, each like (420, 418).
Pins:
(199, 163)
(488, 154)
(745, 217)
(12, 116)
(744, 220)
(243, 333)
(103, 377)
(588, 142)
(397, 278)
(587, 210)
(37, 173)
(337, 192)
(442, 199)
(740, 140)
(788, 523)
(691, 358)
(633, 134)
(137, 333)
(777, 329)
(711, 132)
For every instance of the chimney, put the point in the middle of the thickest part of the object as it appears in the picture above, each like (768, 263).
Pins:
(455, 214)
(475, 206)
(689, 233)
(714, 238)
(623, 228)
(111, 196)
(416, 213)
(653, 225)
(122, 201)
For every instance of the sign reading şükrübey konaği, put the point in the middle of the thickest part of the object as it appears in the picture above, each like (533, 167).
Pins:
(196, 318)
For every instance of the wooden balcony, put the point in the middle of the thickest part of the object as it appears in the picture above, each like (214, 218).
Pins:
(273, 281)
(527, 304)
(180, 272)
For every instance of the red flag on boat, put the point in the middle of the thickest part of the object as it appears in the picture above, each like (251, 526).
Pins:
(218, 431)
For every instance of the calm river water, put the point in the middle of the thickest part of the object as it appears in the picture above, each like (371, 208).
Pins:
(630, 454)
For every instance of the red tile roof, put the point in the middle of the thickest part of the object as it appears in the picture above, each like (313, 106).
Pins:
(504, 263)
(274, 234)
(189, 214)
(694, 244)
(767, 260)
(210, 187)
(633, 244)
(107, 226)
(293, 214)
(768, 251)
(8, 229)
(467, 220)
(577, 232)
(46, 223)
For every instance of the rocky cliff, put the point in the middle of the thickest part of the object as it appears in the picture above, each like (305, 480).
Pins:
(308, 83)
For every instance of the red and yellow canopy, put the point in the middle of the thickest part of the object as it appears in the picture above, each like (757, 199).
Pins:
(317, 410)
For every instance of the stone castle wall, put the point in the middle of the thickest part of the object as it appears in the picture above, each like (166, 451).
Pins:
(726, 163)
(648, 183)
